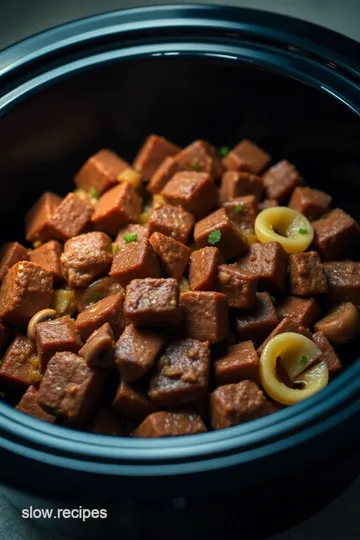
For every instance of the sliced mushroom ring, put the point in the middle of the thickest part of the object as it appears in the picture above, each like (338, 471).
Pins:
(40, 316)
(298, 354)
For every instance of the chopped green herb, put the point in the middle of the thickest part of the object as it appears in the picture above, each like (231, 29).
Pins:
(224, 150)
(116, 248)
(303, 231)
(96, 296)
(239, 208)
(2, 394)
(196, 166)
(303, 360)
(94, 193)
(131, 237)
(273, 299)
(214, 237)
(324, 216)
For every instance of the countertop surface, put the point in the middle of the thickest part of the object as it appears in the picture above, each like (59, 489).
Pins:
(21, 18)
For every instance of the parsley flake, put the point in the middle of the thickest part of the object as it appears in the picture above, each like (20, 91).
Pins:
(303, 360)
(214, 237)
(324, 216)
(273, 299)
(116, 248)
(196, 166)
(224, 150)
(94, 193)
(131, 237)
(96, 296)
(239, 208)
(2, 394)
(303, 231)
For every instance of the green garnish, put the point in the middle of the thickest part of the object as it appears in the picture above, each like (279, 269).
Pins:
(273, 299)
(303, 360)
(2, 394)
(214, 237)
(96, 296)
(324, 216)
(303, 231)
(131, 237)
(224, 150)
(94, 193)
(116, 248)
(195, 166)
(239, 208)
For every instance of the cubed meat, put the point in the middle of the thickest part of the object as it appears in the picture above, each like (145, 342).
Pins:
(98, 351)
(203, 268)
(153, 302)
(286, 325)
(239, 363)
(71, 218)
(280, 180)
(107, 423)
(310, 202)
(135, 260)
(181, 374)
(307, 274)
(100, 172)
(173, 255)
(242, 211)
(170, 424)
(5, 336)
(238, 286)
(336, 236)
(131, 402)
(341, 324)
(20, 366)
(172, 221)
(304, 311)
(247, 156)
(162, 175)
(202, 157)
(343, 279)
(328, 353)
(10, 254)
(269, 263)
(218, 229)
(267, 203)
(117, 207)
(70, 389)
(27, 288)
(239, 184)
(56, 336)
(48, 256)
(131, 233)
(109, 309)
(205, 315)
(136, 352)
(194, 191)
(258, 322)
(29, 405)
(152, 153)
(38, 218)
(86, 257)
(234, 404)
(97, 290)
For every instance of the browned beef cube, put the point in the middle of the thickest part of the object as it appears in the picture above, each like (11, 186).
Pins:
(26, 289)
(97, 290)
(202, 157)
(239, 287)
(29, 405)
(343, 279)
(242, 211)
(267, 203)
(135, 260)
(280, 180)
(257, 323)
(131, 233)
(205, 315)
(5, 336)
(131, 402)
(218, 229)
(117, 207)
(304, 311)
(286, 325)
(238, 184)
(20, 366)
(107, 423)
(203, 268)
(38, 217)
(98, 351)
(170, 424)
(48, 256)
(10, 254)
(86, 257)
(247, 156)
(307, 275)
(109, 309)
(162, 175)
(69, 388)
(136, 352)
(269, 263)
(172, 221)
(234, 404)
(239, 363)
(194, 191)
(100, 172)
(310, 202)
(153, 302)
(336, 236)
(182, 374)
(341, 324)
(153, 152)
(174, 256)
(328, 353)
(71, 218)
(56, 336)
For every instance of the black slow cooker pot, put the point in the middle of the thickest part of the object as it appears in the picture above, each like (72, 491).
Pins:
(187, 72)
